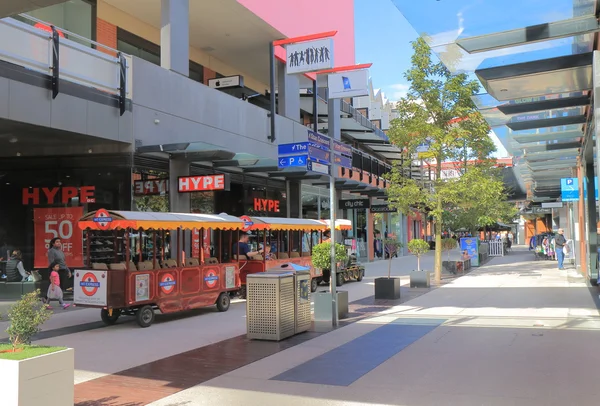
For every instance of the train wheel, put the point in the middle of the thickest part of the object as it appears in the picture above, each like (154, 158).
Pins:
(361, 274)
(109, 319)
(145, 316)
(223, 302)
(339, 278)
(314, 284)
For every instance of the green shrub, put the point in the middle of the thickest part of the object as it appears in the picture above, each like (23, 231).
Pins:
(26, 317)
(321, 255)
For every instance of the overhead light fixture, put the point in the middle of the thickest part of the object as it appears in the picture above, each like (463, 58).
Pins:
(13, 140)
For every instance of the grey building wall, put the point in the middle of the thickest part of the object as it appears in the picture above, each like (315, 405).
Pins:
(169, 108)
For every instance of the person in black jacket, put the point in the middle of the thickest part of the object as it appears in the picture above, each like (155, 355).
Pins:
(559, 243)
(15, 272)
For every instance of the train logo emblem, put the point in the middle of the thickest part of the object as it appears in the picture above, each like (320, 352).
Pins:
(167, 283)
(211, 278)
(103, 219)
(89, 284)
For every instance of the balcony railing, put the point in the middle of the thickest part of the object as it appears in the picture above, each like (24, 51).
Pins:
(52, 51)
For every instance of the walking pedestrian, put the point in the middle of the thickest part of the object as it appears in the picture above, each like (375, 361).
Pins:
(56, 255)
(559, 243)
(54, 290)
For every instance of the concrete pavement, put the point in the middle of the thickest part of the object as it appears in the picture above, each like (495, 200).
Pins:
(515, 332)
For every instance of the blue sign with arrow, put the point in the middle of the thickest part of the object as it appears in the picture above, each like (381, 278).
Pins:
(292, 161)
(569, 189)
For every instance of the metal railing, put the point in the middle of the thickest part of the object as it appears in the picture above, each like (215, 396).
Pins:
(62, 55)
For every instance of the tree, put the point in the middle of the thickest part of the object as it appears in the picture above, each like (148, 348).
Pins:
(418, 248)
(391, 247)
(26, 317)
(448, 244)
(437, 111)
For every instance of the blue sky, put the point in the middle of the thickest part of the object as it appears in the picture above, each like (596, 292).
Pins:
(383, 37)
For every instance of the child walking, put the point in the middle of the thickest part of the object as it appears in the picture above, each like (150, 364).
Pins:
(54, 290)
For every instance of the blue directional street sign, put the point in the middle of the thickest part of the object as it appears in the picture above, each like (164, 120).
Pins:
(343, 161)
(321, 155)
(319, 139)
(292, 161)
(341, 148)
(293, 148)
(569, 188)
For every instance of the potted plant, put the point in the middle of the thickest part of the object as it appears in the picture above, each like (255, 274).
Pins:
(448, 244)
(418, 248)
(389, 288)
(321, 259)
(33, 374)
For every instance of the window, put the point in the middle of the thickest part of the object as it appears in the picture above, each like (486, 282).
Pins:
(137, 46)
(76, 16)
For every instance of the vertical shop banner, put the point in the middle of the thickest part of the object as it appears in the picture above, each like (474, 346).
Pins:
(471, 246)
(60, 222)
(206, 243)
(196, 243)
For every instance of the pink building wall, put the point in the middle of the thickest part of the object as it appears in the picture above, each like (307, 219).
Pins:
(295, 18)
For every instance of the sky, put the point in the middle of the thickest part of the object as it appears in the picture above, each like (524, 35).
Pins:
(383, 37)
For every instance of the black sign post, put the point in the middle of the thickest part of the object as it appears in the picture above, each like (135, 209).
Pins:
(354, 204)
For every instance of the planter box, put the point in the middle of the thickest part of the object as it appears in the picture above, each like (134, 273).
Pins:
(387, 288)
(45, 380)
(420, 279)
(323, 306)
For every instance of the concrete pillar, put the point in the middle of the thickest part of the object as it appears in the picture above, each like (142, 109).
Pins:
(370, 230)
(288, 96)
(175, 36)
(178, 202)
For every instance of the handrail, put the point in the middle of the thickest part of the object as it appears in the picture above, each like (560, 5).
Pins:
(72, 34)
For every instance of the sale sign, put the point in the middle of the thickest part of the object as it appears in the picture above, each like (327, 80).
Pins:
(59, 222)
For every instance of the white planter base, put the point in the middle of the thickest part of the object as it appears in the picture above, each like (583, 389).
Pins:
(46, 380)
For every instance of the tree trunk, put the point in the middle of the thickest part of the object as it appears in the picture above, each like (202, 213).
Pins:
(438, 244)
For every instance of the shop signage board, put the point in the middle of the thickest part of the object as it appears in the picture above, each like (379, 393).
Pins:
(382, 208)
(552, 205)
(569, 189)
(204, 183)
(151, 187)
(292, 148)
(226, 82)
(58, 195)
(541, 210)
(314, 151)
(348, 84)
(309, 56)
(354, 204)
(59, 222)
(270, 205)
(471, 246)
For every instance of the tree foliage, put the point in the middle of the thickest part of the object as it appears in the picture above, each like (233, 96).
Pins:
(321, 255)
(391, 247)
(438, 111)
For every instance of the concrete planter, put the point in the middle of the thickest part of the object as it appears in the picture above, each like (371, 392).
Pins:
(387, 288)
(323, 306)
(420, 279)
(45, 380)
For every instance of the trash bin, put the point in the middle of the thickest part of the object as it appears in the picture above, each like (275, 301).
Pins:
(302, 310)
(270, 306)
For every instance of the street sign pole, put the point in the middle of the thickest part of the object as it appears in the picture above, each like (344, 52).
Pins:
(333, 112)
